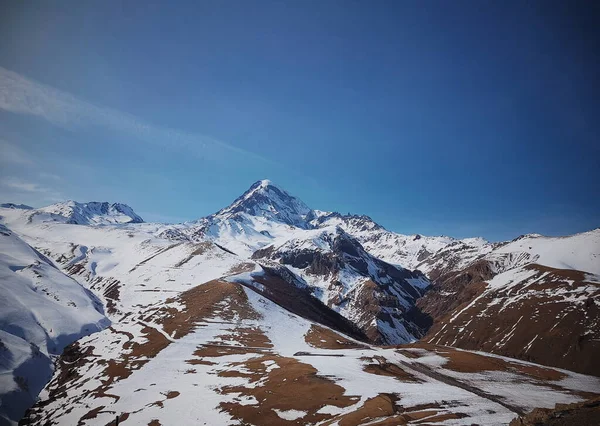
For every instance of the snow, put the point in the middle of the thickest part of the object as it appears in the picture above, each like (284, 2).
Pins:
(290, 414)
(579, 252)
(41, 311)
(269, 201)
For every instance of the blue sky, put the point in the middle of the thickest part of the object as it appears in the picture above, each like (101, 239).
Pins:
(457, 118)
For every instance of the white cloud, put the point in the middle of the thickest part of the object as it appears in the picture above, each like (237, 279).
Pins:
(19, 190)
(23, 96)
(12, 154)
(51, 176)
(21, 185)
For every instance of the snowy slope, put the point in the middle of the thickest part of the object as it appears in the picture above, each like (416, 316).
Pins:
(126, 265)
(580, 252)
(41, 311)
(221, 354)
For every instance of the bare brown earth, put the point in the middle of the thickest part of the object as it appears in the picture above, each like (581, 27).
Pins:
(241, 268)
(201, 248)
(200, 303)
(383, 410)
(469, 362)
(455, 289)
(324, 338)
(380, 366)
(383, 405)
(280, 390)
(579, 414)
(280, 386)
(530, 321)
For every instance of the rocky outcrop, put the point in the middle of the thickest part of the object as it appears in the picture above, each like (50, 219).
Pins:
(376, 296)
(585, 413)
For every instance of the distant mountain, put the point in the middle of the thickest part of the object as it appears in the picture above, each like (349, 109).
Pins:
(92, 213)
(260, 215)
(266, 214)
(268, 201)
(409, 251)
(15, 206)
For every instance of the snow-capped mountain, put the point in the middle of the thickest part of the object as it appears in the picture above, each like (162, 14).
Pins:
(92, 213)
(430, 255)
(265, 199)
(15, 206)
(267, 214)
(262, 214)
(267, 312)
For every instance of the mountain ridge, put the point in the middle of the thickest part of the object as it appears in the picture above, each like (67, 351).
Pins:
(267, 278)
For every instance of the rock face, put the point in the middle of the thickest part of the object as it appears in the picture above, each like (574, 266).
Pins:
(281, 286)
(15, 206)
(431, 255)
(585, 413)
(373, 294)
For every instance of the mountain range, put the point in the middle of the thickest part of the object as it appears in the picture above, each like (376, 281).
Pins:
(267, 299)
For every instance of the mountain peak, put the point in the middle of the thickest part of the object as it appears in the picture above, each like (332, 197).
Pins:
(90, 213)
(16, 206)
(268, 200)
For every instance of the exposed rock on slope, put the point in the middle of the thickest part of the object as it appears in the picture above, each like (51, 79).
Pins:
(431, 255)
(581, 414)
(15, 206)
(373, 294)
(267, 200)
(518, 301)
(281, 286)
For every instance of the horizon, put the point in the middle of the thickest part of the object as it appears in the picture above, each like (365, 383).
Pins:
(431, 119)
(270, 182)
